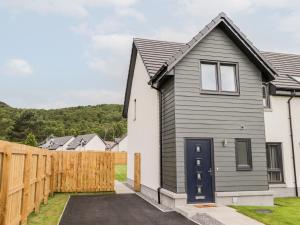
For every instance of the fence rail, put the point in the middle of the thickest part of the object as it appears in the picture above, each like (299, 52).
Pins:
(29, 175)
(120, 158)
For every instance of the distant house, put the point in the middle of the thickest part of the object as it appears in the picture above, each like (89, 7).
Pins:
(57, 143)
(109, 145)
(87, 142)
(120, 144)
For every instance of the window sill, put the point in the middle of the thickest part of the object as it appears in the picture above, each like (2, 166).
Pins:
(219, 93)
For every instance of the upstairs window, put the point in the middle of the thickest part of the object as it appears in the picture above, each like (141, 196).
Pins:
(274, 163)
(218, 77)
(266, 96)
(243, 154)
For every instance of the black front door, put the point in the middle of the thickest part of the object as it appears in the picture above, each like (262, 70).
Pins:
(199, 170)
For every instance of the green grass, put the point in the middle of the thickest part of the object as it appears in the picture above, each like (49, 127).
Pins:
(121, 172)
(285, 212)
(49, 214)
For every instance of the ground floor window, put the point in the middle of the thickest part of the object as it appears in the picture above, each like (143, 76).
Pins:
(274, 163)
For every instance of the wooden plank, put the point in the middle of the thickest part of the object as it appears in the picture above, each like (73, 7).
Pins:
(26, 191)
(5, 182)
(38, 184)
(137, 172)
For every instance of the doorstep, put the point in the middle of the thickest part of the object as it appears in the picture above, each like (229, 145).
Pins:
(218, 215)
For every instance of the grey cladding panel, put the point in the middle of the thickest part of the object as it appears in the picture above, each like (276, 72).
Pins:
(168, 136)
(220, 117)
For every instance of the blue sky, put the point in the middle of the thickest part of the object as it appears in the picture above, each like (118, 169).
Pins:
(60, 53)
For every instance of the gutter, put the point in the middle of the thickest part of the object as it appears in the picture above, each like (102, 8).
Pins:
(292, 142)
(160, 145)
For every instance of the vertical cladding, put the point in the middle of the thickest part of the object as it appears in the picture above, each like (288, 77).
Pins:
(219, 116)
(168, 136)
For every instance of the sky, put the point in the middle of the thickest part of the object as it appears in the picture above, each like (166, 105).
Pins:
(61, 53)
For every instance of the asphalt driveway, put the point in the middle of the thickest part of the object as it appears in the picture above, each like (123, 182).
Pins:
(127, 209)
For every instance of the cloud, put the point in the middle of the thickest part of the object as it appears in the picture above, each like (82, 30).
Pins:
(130, 12)
(118, 43)
(78, 8)
(17, 67)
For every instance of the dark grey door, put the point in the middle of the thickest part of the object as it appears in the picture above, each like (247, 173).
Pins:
(199, 170)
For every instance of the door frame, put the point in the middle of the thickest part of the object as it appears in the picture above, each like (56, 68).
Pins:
(212, 157)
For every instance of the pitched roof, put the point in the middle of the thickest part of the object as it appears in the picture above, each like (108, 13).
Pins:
(286, 64)
(234, 32)
(154, 53)
(79, 139)
(158, 55)
(56, 142)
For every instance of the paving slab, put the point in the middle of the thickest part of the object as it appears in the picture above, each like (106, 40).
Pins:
(117, 209)
(222, 215)
(122, 188)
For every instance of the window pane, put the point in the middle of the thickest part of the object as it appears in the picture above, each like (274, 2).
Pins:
(274, 163)
(228, 78)
(208, 75)
(243, 151)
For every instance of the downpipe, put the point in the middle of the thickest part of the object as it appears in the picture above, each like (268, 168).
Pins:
(160, 146)
(292, 142)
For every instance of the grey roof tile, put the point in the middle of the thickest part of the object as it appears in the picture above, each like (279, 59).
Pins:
(76, 142)
(56, 142)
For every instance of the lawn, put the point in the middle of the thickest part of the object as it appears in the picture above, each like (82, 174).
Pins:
(49, 214)
(121, 172)
(285, 212)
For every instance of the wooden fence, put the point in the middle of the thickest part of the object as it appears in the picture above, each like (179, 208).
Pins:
(137, 172)
(28, 175)
(120, 158)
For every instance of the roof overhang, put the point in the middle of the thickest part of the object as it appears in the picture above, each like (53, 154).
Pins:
(129, 80)
(268, 71)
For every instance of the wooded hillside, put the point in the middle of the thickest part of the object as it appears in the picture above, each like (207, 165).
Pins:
(104, 120)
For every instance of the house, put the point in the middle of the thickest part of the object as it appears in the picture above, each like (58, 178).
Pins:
(282, 125)
(197, 114)
(109, 145)
(87, 142)
(57, 143)
(120, 144)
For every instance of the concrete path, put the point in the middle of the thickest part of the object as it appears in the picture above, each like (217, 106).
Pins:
(222, 215)
(121, 188)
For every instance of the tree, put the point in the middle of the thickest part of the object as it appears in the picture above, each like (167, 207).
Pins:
(30, 140)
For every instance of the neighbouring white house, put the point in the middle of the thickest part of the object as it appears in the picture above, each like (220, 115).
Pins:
(87, 142)
(120, 144)
(57, 143)
(282, 125)
(215, 119)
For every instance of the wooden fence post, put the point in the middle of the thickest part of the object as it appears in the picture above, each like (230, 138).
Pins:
(137, 172)
(38, 184)
(5, 180)
(26, 190)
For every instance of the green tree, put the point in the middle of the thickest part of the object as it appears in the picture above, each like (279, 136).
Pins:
(30, 140)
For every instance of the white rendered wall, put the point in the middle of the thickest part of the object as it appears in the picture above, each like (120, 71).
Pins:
(94, 144)
(143, 133)
(278, 130)
(122, 146)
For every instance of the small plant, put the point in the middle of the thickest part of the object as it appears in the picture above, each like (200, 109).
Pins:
(31, 140)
